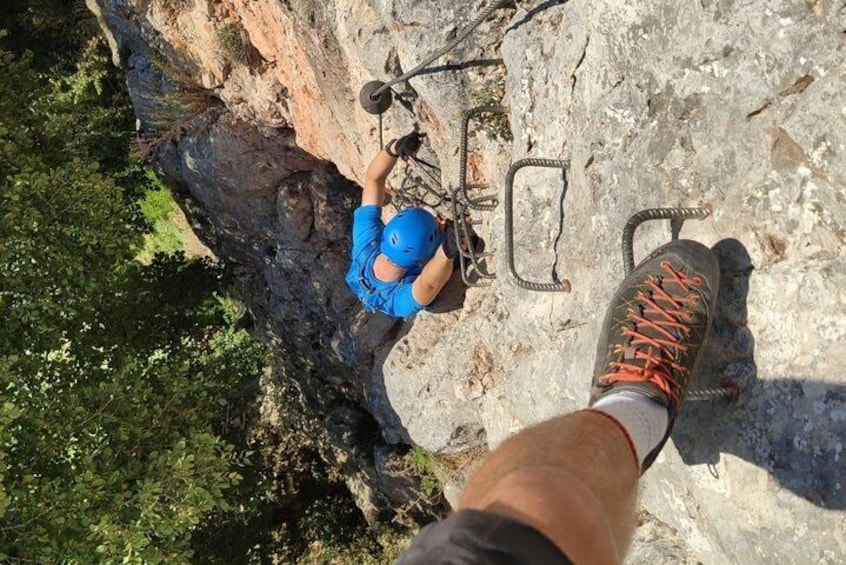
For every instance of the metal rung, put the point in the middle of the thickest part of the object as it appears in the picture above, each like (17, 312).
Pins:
(484, 202)
(674, 214)
(461, 232)
(562, 286)
(729, 392)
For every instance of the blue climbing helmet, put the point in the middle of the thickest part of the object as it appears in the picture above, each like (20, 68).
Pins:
(411, 238)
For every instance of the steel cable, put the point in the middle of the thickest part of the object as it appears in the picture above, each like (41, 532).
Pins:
(449, 46)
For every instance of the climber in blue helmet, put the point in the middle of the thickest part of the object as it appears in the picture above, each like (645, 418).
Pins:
(398, 268)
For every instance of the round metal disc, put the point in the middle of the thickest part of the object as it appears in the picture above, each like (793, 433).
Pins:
(378, 104)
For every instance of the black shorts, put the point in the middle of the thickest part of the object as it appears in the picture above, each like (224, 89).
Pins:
(473, 537)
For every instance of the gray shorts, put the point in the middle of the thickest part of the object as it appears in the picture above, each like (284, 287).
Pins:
(473, 537)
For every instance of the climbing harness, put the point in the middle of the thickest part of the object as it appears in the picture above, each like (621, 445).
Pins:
(677, 216)
(374, 97)
(556, 286)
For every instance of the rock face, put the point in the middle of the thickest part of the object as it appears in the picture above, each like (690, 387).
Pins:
(740, 104)
(652, 104)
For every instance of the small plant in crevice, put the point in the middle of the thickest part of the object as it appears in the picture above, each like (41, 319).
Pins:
(425, 466)
(435, 470)
(173, 114)
(176, 104)
(185, 102)
(495, 126)
(231, 39)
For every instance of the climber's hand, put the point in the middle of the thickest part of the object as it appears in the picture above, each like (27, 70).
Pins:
(409, 145)
(451, 249)
(449, 246)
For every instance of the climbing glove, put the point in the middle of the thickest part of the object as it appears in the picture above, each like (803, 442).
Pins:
(406, 145)
(449, 246)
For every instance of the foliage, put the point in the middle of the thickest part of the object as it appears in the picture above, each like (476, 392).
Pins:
(390, 544)
(177, 107)
(126, 388)
(115, 376)
(425, 465)
(495, 126)
(117, 452)
(84, 113)
(293, 507)
(433, 471)
(231, 40)
(157, 204)
(63, 225)
(181, 104)
(48, 29)
(159, 209)
(8, 414)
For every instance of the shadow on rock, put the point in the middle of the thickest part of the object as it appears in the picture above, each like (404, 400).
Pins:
(530, 15)
(478, 63)
(791, 426)
(451, 297)
(378, 403)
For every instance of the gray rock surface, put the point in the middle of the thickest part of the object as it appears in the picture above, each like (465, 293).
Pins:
(741, 104)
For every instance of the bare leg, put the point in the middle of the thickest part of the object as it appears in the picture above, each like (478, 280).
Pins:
(573, 478)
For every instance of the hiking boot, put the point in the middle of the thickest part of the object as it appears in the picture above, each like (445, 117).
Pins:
(656, 326)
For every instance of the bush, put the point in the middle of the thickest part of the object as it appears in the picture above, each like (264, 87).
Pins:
(162, 216)
(425, 465)
(231, 38)
(114, 376)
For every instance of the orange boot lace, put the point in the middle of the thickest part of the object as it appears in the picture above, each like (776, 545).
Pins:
(664, 317)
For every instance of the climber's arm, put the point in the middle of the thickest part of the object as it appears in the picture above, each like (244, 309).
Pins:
(377, 174)
(382, 165)
(432, 280)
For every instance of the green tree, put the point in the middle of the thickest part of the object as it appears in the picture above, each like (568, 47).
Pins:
(113, 374)
(66, 227)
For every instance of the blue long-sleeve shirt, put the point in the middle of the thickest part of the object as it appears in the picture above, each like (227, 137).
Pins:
(393, 298)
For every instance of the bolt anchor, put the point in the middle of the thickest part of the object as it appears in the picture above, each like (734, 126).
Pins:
(372, 101)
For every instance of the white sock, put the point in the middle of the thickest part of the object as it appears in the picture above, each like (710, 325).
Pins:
(643, 419)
